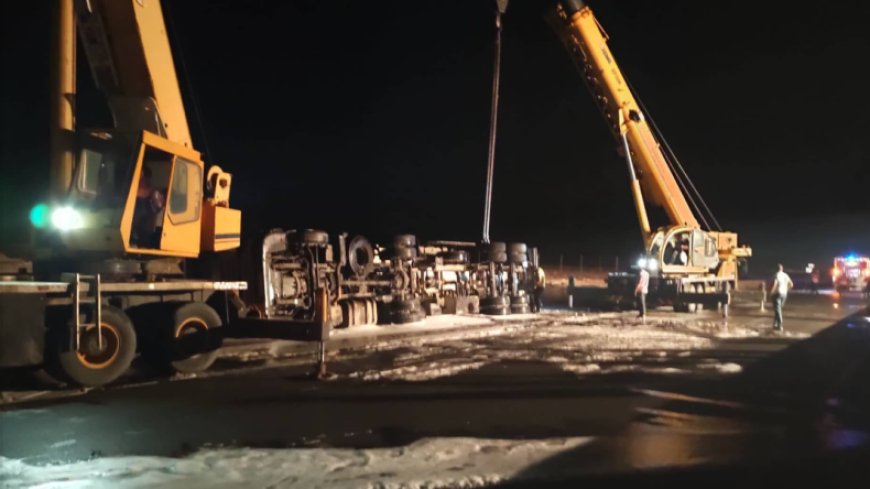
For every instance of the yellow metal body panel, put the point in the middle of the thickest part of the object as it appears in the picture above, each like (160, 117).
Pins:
(142, 60)
(180, 240)
(587, 42)
(221, 227)
(616, 99)
(63, 91)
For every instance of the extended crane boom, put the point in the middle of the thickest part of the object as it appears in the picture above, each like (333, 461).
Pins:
(682, 249)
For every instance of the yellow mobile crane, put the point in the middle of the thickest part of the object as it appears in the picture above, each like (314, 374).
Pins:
(132, 206)
(129, 203)
(692, 265)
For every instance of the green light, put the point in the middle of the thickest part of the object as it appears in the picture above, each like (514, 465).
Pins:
(39, 216)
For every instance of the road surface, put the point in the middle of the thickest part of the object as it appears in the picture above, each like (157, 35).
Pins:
(694, 399)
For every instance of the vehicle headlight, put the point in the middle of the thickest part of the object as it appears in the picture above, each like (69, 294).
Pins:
(652, 265)
(66, 219)
(641, 263)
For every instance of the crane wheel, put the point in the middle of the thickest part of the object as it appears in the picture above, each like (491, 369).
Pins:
(195, 338)
(92, 365)
(181, 337)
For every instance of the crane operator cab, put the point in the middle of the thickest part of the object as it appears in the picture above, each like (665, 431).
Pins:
(681, 249)
(144, 195)
(138, 187)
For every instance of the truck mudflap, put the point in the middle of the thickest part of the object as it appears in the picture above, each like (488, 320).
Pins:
(22, 330)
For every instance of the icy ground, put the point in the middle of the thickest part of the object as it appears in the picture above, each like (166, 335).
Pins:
(573, 343)
(427, 463)
(576, 344)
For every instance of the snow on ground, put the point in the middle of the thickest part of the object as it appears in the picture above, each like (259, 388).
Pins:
(574, 344)
(427, 463)
(416, 373)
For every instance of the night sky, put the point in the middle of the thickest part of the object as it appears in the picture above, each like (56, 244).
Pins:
(373, 117)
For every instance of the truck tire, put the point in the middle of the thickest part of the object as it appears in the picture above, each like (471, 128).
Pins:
(519, 248)
(519, 258)
(91, 366)
(495, 306)
(520, 304)
(405, 253)
(494, 247)
(456, 257)
(500, 257)
(405, 241)
(309, 237)
(360, 256)
(403, 311)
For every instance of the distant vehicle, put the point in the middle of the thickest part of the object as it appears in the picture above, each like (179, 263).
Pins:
(850, 272)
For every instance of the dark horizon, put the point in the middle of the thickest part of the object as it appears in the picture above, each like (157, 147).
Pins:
(373, 119)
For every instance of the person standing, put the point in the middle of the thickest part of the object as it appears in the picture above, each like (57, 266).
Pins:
(641, 290)
(778, 292)
(540, 283)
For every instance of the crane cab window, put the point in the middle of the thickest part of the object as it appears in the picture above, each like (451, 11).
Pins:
(656, 246)
(186, 193)
(151, 199)
(677, 249)
(100, 178)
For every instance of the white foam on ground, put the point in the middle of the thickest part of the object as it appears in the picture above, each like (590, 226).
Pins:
(427, 463)
(417, 373)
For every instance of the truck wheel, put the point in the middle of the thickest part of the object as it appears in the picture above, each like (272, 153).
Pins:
(519, 258)
(360, 256)
(495, 306)
(91, 365)
(309, 237)
(405, 253)
(494, 247)
(455, 257)
(520, 304)
(518, 248)
(406, 311)
(194, 338)
(405, 241)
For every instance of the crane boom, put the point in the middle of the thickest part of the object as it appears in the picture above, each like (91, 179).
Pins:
(651, 175)
(138, 187)
(587, 42)
(131, 62)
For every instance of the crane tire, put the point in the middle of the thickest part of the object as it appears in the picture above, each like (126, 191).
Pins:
(91, 366)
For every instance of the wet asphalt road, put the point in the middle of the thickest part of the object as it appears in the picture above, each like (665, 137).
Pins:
(798, 397)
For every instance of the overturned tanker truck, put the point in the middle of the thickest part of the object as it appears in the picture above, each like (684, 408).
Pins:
(306, 278)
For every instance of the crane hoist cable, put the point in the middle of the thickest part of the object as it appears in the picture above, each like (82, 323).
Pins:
(679, 171)
(185, 74)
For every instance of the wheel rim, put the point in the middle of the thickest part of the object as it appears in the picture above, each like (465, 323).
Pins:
(89, 353)
(190, 326)
(187, 349)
